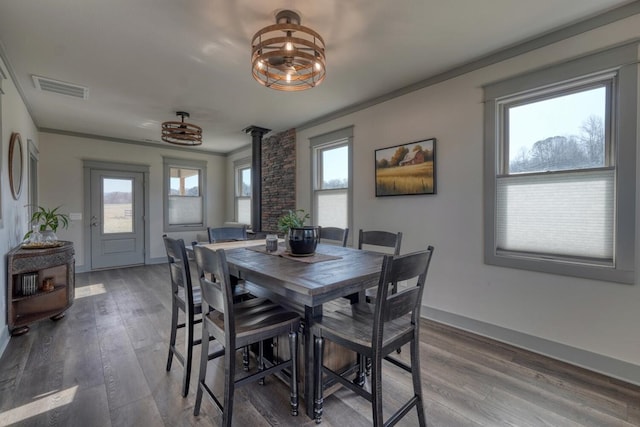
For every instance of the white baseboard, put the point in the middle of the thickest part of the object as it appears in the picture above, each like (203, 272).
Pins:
(606, 365)
(159, 260)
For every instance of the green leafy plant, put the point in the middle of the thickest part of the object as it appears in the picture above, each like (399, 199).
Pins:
(48, 219)
(292, 219)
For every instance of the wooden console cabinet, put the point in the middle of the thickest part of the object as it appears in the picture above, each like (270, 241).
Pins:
(40, 284)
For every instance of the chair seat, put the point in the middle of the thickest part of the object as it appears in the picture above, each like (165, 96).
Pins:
(240, 292)
(255, 318)
(353, 326)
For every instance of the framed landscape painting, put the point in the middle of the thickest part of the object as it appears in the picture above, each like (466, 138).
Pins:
(406, 169)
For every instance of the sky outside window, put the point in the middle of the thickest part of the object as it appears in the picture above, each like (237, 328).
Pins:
(559, 116)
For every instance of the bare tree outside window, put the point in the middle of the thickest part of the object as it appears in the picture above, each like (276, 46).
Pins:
(566, 132)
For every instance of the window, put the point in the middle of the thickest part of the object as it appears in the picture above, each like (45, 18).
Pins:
(243, 191)
(184, 200)
(559, 184)
(331, 160)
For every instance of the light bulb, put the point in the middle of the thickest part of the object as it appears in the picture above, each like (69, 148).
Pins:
(288, 46)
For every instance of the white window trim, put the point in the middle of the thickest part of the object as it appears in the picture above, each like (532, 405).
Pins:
(171, 162)
(318, 143)
(622, 59)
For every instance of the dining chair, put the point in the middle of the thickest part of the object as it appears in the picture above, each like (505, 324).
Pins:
(186, 298)
(226, 234)
(377, 240)
(237, 326)
(335, 234)
(377, 332)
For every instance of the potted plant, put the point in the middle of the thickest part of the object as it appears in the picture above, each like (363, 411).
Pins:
(300, 240)
(292, 219)
(47, 221)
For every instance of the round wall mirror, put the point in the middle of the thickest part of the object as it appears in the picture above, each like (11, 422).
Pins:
(15, 164)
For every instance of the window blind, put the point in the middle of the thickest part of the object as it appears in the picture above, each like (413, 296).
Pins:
(568, 214)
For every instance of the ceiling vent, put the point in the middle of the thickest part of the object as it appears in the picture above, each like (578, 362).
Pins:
(49, 85)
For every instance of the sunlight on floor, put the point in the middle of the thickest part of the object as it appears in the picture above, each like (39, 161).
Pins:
(37, 407)
(90, 290)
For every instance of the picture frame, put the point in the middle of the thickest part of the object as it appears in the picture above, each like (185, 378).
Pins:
(406, 169)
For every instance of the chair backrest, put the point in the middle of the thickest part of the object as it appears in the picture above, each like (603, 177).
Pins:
(334, 233)
(380, 238)
(216, 295)
(226, 234)
(179, 269)
(411, 267)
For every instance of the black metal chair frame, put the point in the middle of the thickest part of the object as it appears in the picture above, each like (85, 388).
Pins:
(395, 321)
(237, 326)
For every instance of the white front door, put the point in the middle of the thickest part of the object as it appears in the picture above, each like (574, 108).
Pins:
(116, 218)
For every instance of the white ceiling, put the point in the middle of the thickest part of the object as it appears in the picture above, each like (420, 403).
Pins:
(143, 60)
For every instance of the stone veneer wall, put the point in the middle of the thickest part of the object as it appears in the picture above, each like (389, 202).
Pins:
(278, 177)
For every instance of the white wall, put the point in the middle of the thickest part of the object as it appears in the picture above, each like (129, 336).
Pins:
(61, 183)
(15, 118)
(597, 317)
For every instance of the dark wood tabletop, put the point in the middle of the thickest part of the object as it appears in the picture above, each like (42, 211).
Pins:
(309, 283)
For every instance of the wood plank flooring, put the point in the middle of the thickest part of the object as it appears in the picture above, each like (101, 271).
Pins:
(103, 364)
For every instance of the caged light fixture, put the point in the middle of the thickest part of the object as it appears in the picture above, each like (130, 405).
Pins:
(288, 56)
(181, 133)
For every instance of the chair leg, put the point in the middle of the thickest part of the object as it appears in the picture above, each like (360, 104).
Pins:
(318, 350)
(202, 373)
(174, 329)
(360, 375)
(415, 376)
(293, 350)
(188, 342)
(376, 391)
(229, 387)
(245, 358)
(261, 360)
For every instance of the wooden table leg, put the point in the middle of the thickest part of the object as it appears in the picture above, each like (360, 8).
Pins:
(310, 314)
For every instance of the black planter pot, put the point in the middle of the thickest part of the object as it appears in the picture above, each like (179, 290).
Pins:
(303, 240)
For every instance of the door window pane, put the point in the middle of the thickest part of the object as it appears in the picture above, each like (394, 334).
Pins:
(117, 207)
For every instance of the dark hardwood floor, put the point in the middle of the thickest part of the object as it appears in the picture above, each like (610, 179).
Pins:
(103, 364)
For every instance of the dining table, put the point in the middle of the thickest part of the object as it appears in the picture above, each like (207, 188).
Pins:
(303, 284)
